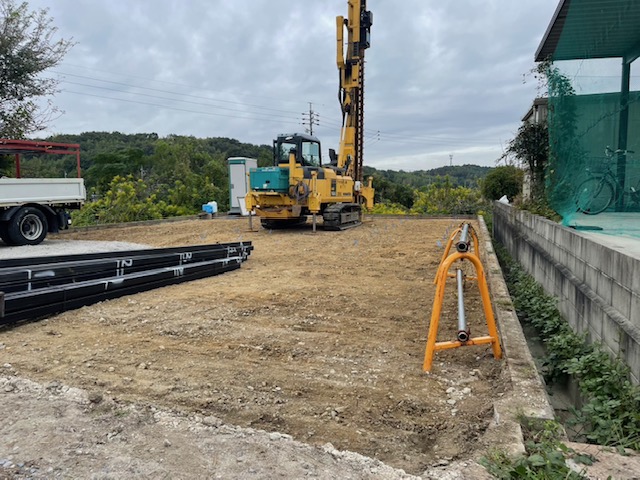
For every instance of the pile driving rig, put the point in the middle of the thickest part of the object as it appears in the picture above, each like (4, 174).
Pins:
(299, 183)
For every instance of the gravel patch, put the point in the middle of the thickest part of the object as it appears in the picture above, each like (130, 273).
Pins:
(59, 432)
(50, 248)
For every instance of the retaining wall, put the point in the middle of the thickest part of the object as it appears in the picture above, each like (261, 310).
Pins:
(598, 288)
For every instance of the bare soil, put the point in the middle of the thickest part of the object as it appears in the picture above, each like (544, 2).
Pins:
(319, 336)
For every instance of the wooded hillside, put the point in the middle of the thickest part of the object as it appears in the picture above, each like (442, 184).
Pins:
(175, 175)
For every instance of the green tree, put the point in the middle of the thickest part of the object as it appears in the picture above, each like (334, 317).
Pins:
(189, 195)
(389, 208)
(106, 166)
(501, 181)
(127, 200)
(389, 192)
(27, 48)
(531, 147)
(442, 198)
(459, 175)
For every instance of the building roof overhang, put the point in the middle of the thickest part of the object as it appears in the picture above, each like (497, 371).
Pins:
(582, 29)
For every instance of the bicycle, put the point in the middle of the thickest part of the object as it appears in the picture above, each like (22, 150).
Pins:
(595, 194)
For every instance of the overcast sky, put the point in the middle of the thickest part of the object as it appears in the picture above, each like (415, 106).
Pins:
(443, 77)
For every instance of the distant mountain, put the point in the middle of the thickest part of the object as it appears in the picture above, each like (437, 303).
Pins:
(163, 161)
(459, 175)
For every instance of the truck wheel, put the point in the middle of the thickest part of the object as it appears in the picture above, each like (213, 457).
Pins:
(4, 233)
(28, 227)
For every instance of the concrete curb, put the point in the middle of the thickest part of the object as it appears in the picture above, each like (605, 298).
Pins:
(528, 396)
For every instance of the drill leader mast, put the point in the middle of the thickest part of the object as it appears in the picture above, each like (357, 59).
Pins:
(351, 87)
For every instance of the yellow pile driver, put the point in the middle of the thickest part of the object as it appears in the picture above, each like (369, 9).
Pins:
(299, 183)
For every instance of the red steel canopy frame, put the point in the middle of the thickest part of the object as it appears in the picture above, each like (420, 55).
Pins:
(18, 147)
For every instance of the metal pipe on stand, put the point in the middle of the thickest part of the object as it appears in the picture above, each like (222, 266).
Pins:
(463, 332)
(463, 247)
(463, 244)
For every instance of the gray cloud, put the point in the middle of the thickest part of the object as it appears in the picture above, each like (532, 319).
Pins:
(442, 77)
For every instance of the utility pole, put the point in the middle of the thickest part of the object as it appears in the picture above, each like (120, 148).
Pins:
(310, 118)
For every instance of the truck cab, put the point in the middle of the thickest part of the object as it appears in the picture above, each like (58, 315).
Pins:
(32, 207)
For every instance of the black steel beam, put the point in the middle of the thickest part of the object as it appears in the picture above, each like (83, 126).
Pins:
(69, 282)
(43, 275)
(18, 262)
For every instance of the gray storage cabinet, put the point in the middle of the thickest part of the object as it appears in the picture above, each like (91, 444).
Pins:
(239, 181)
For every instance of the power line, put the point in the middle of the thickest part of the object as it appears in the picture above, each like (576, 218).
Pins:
(397, 137)
(170, 99)
(311, 118)
(110, 72)
(174, 93)
(369, 139)
(177, 109)
(435, 139)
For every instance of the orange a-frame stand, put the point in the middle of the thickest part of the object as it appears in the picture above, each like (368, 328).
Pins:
(463, 253)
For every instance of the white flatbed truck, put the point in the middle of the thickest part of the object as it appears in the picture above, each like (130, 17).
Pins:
(32, 207)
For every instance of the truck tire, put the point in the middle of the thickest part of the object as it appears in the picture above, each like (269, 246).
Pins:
(27, 227)
(4, 232)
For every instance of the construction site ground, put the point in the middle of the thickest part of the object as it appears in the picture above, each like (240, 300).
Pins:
(318, 336)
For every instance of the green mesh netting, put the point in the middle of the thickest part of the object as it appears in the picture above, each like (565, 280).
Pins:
(587, 172)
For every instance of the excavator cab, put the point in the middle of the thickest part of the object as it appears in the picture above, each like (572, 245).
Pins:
(307, 149)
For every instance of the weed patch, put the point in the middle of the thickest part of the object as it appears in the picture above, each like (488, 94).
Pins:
(611, 410)
(610, 414)
(545, 458)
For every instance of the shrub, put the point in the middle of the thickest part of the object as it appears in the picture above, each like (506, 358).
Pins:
(501, 181)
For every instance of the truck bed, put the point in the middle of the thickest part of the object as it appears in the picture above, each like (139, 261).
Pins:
(44, 191)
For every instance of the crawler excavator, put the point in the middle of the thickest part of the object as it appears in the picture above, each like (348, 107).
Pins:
(299, 183)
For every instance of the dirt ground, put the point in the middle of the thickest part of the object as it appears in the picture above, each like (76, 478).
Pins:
(319, 336)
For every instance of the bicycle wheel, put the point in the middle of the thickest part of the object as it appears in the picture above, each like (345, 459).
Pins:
(594, 195)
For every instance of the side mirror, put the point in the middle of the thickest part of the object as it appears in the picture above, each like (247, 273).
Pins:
(333, 157)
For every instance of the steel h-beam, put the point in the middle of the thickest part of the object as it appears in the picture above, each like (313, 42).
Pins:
(36, 287)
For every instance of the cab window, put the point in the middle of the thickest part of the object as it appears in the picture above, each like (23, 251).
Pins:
(283, 151)
(311, 154)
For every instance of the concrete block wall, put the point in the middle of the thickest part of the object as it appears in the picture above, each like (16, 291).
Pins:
(598, 288)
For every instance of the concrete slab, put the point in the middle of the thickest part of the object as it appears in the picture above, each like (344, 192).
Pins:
(619, 231)
(608, 462)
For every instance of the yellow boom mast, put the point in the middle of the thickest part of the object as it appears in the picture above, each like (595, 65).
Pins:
(350, 60)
